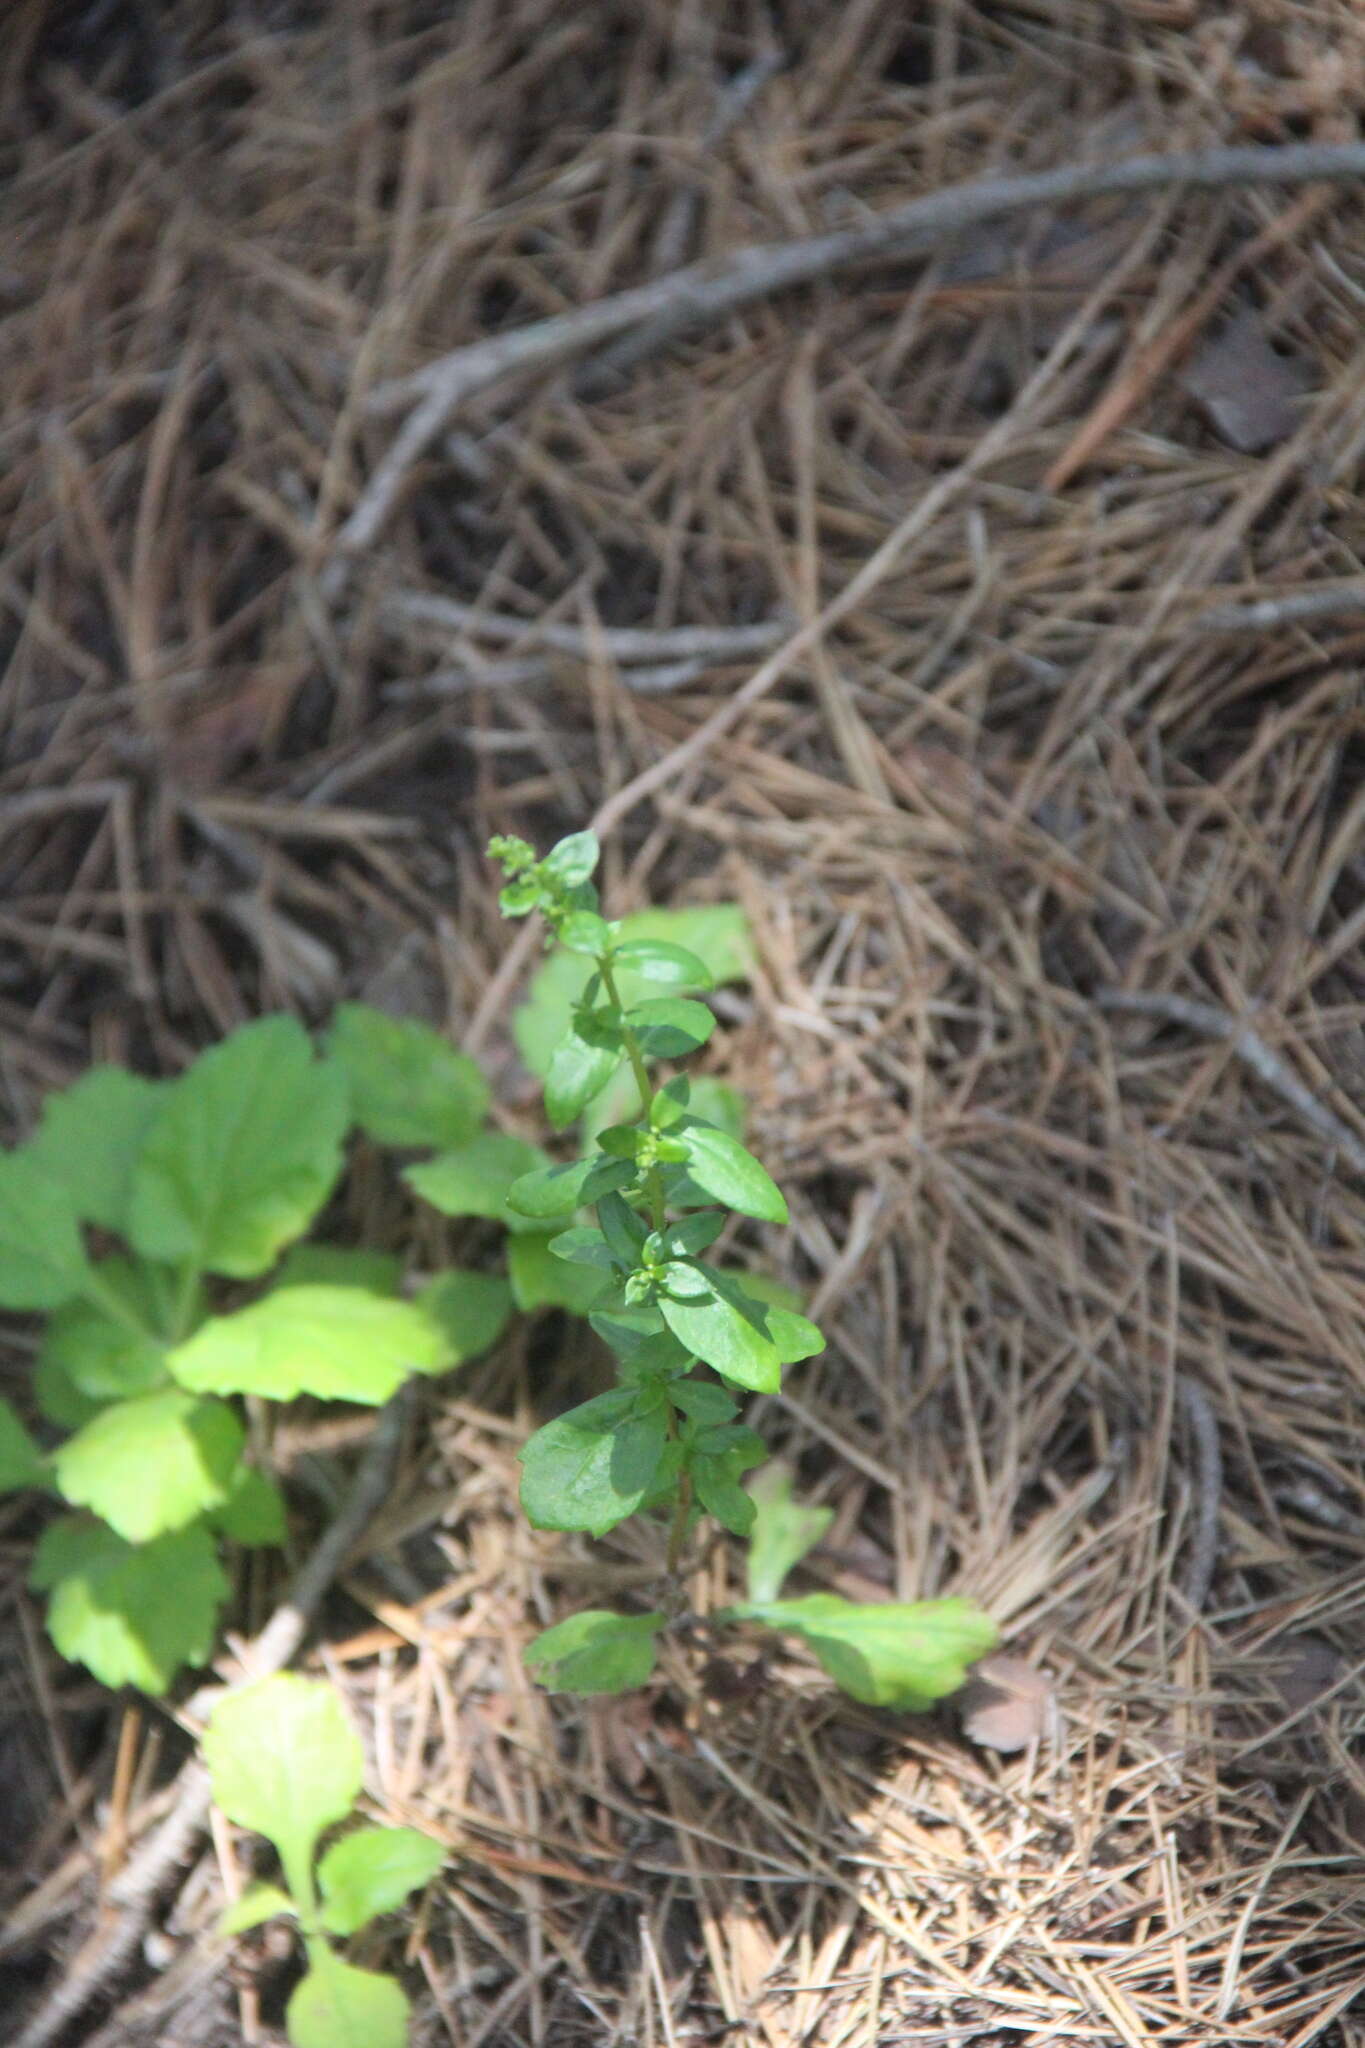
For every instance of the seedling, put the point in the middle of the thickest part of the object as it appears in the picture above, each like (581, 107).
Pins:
(662, 1181)
(285, 1762)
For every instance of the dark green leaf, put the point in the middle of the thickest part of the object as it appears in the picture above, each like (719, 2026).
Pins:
(784, 1530)
(89, 1140)
(253, 1513)
(657, 960)
(641, 1342)
(476, 1179)
(720, 1493)
(721, 1166)
(540, 1280)
(593, 1467)
(408, 1084)
(21, 1462)
(887, 1655)
(584, 1247)
(692, 1235)
(596, 1652)
(330, 1265)
(42, 1258)
(702, 1402)
(102, 1355)
(132, 1613)
(469, 1309)
(625, 1232)
(670, 1028)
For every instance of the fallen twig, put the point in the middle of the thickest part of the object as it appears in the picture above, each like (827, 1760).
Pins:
(1265, 1063)
(136, 1891)
(1208, 1493)
(1295, 607)
(625, 644)
(707, 291)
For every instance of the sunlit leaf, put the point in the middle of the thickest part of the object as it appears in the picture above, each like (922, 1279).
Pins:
(596, 1652)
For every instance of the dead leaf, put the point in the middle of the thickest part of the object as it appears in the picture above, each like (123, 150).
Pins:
(1247, 390)
(1006, 1704)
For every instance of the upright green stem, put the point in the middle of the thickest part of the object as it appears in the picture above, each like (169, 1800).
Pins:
(654, 1185)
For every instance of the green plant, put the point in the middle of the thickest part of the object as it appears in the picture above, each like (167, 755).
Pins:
(663, 1181)
(285, 1762)
(158, 1226)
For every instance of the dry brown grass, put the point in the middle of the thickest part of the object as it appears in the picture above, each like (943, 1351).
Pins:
(1033, 763)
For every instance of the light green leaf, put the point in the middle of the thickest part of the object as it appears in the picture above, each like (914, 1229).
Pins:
(718, 933)
(660, 961)
(152, 1463)
(783, 1531)
(284, 1760)
(469, 1309)
(540, 1280)
(242, 1153)
(584, 1061)
(90, 1137)
(408, 1084)
(100, 1355)
(336, 1342)
(583, 931)
(888, 1655)
(258, 1903)
(475, 1179)
(593, 1467)
(21, 1462)
(253, 1513)
(596, 1651)
(42, 1258)
(559, 1190)
(371, 1872)
(573, 861)
(339, 2006)
(670, 1028)
(720, 1165)
(331, 1265)
(744, 1340)
(131, 1613)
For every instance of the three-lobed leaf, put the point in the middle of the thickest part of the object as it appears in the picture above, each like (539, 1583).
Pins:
(596, 1652)
(408, 1084)
(284, 1761)
(152, 1463)
(892, 1654)
(338, 2005)
(593, 1467)
(371, 1871)
(131, 1613)
(241, 1154)
(338, 1343)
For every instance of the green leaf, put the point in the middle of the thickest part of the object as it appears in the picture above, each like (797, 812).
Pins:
(573, 861)
(720, 1493)
(640, 1341)
(100, 1355)
(339, 2006)
(584, 1061)
(703, 1402)
(743, 1339)
(335, 1342)
(476, 1179)
(90, 1137)
(469, 1309)
(718, 933)
(371, 1872)
(783, 1531)
(659, 960)
(408, 1084)
(22, 1464)
(284, 1760)
(583, 931)
(253, 1513)
(624, 1230)
(720, 1165)
(888, 1655)
(560, 1190)
(596, 1651)
(691, 1235)
(152, 1463)
(584, 1247)
(540, 1280)
(242, 1153)
(59, 1399)
(593, 1467)
(42, 1259)
(131, 1613)
(258, 1903)
(670, 1028)
(715, 1102)
(330, 1265)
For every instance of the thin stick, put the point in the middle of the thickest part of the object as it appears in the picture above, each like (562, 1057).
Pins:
(149, 1873)
(1332, 601)
(1208, 1493)
(623, 643)
(709, 290)
(1266, 1064)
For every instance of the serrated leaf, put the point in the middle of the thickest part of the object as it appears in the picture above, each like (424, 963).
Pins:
(131, 1613)
(720, 1165)
(540, 1280)
(572, 861)
(892, 1654)
(253, 1513)
(783, 1531)
(21, 1462)
(469, 1309)
(744, 1340)
(90, 1137)
(372, 1871)
(596, 1652)
(42, 1258)
(241, 1154)
(476, 1179)
(584, 1061)
(408, 1084)
(257, 1904)
(593, 1467)
(331, 1265)
(284, 1760)
(671, 1027)
(338, 2005)
(100, 1355)
(335, 1342)
(152, 1463)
